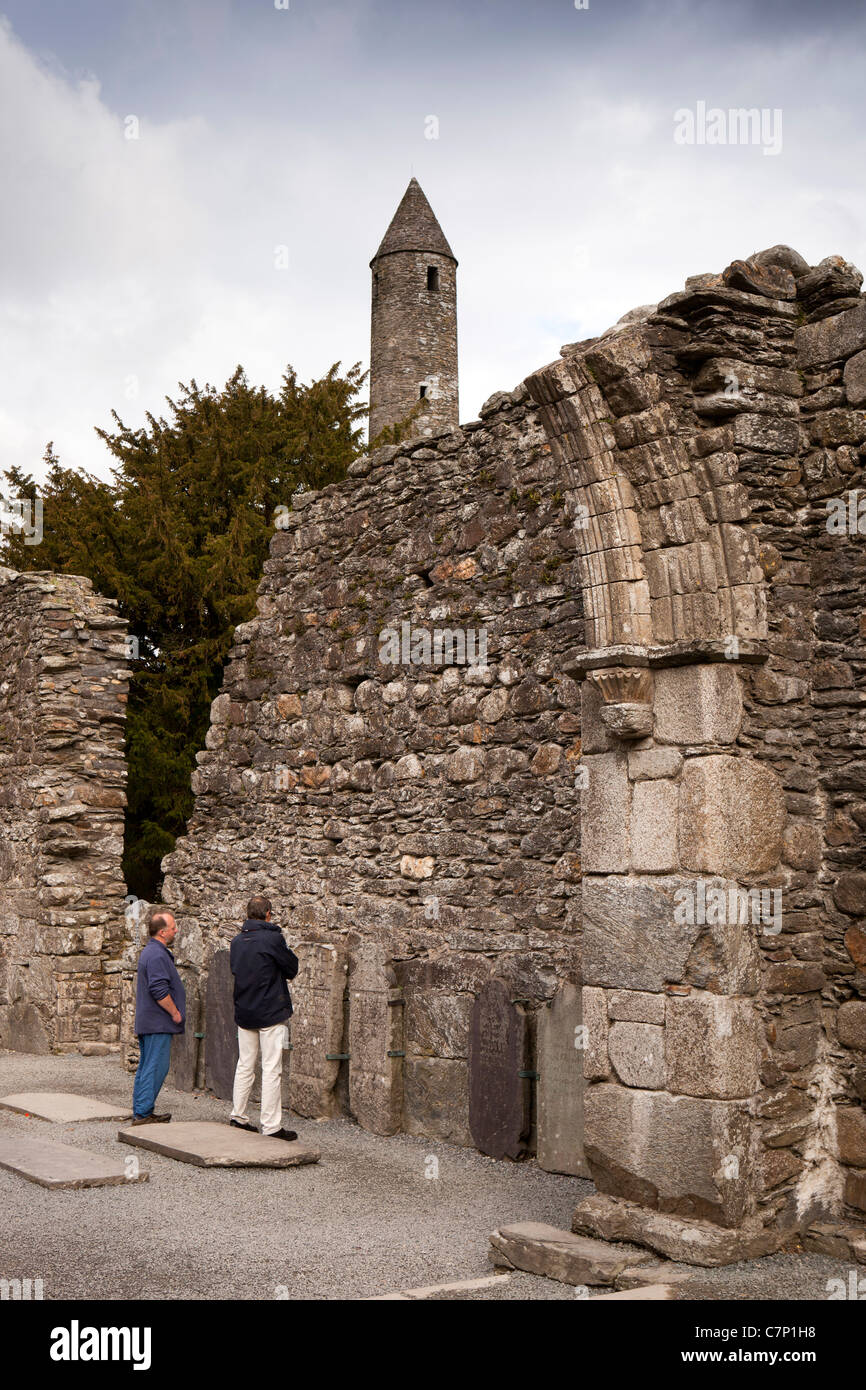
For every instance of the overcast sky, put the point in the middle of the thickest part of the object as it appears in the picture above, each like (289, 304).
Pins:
(127, 265)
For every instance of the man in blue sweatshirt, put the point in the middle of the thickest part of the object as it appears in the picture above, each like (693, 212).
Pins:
(261, 963)
(160, 1012)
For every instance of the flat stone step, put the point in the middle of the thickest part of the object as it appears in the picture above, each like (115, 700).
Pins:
(663, 1273)
(210, 1145)
(572, 1259)
(486, 1281)
(54, 1165)
(62, 1107)
(687, 1240)
(647, 1293)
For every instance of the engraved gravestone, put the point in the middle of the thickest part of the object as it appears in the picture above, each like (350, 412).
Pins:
(375, 1041)
(560, 1084)
(498, 1095)
(317, 1030)
(184, 1046)
(220, 1029)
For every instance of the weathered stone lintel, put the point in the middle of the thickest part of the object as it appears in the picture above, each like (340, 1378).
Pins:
(579, 661)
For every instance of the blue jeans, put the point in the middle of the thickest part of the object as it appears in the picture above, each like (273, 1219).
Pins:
(152, 1071)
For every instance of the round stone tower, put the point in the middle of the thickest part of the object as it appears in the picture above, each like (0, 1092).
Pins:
(413, 351)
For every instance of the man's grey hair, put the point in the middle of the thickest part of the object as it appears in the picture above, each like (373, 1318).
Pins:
(157, 918)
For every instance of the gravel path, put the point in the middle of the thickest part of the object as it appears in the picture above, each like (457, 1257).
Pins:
(365, 1221)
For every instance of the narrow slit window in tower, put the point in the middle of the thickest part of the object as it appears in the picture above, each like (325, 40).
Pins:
(422, 392)
(432, 277)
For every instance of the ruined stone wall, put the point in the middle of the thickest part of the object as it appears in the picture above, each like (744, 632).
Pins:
(729, 423)
(809, 719)
(63, 681)
(673, 627)
(427, 805)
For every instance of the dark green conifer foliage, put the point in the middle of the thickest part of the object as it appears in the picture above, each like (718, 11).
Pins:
(179, 538)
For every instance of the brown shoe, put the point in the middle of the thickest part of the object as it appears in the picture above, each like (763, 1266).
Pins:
(152, 1119)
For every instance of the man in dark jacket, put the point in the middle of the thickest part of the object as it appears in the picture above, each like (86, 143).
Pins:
(160, 1011)
(261, 963)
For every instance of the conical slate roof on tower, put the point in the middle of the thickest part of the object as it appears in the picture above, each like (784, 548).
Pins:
(414, 227)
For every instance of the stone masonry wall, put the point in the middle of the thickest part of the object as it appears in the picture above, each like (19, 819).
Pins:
(675, 629)
(730, 403)
(63, 681)
(428, 805)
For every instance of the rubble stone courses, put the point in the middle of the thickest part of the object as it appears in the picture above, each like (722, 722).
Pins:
(654, 499)
(64, 672)
(650, 509)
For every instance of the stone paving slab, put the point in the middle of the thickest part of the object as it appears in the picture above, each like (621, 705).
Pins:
(647, 1293)
(540, 1249)
(210, 1145)
(62, 1107)
(486, 1281)
(60, 1165)
(663, 1273)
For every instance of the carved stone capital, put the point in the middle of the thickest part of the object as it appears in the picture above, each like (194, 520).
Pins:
(624, 685)
(627, 692)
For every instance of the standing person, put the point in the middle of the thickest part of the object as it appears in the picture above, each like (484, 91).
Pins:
(261, 963)
(160, 1011)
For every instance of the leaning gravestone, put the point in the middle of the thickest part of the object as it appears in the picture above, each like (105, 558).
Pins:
(185, 1045)
(375, 1041)
(498, 1094)
(560, 1085)
(220, 1029)
(317, 1030)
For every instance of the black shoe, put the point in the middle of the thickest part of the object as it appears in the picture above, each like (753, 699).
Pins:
(236, 1124)
(282, 1134)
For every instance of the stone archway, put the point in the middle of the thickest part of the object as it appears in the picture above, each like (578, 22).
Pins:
(679, 820)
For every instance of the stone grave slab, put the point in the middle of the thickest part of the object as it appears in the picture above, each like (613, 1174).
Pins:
(54, 1165)
(561, 1084)
(210, 1145)
(498, 1095)
(375, 1041)
(562, 1255)
(317, 1030)
(185, 1046)
(436, 1099)
(63, 1107)
(220, 1029)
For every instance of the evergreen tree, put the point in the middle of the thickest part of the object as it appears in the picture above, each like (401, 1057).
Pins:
(179, 537)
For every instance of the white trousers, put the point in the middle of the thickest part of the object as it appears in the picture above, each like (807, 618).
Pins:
(271, 1040)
